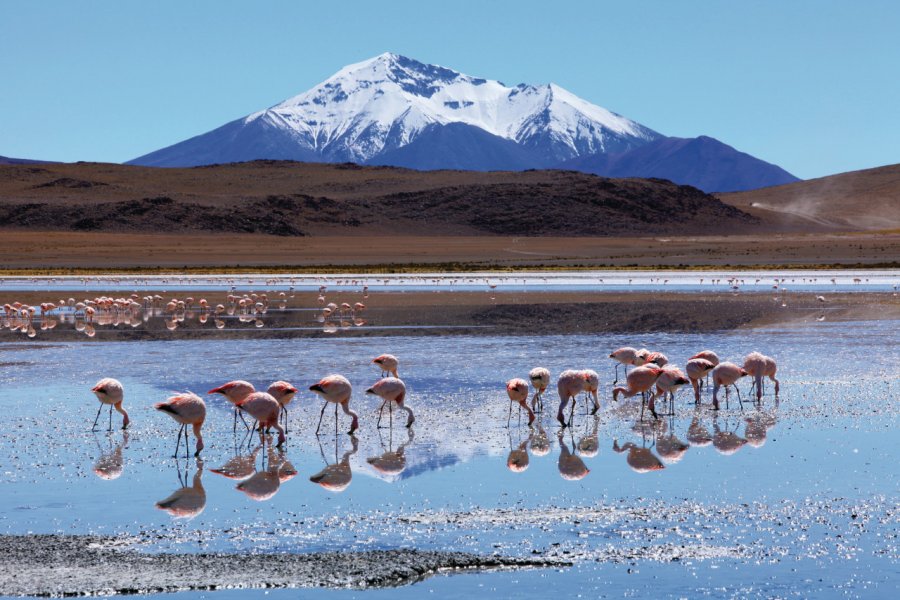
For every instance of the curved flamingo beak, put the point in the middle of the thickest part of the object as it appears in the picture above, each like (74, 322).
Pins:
(370, 391)
(316, 388)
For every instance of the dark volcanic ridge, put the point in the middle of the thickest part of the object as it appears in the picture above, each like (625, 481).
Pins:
(62, 565)
(293, 199)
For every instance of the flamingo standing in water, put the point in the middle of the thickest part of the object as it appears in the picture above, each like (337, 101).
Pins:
(388, 364)
(639, 381)
(110, 391)
(265, 410)
(540, 380)
(670, 381)
(235, 392)
(591, 386)
(697, 369)
(726, 374)
(336, 389)
(517, 390)
(707, 355)
(283, 392)
(392, 391)
(187, 409)
(758, 366)
(625, 356)
(569, 385)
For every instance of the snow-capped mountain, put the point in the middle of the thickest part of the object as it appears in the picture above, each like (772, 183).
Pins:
(387, 102)
(393, 110)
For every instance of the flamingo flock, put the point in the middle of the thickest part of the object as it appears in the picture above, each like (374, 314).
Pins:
(268, 410)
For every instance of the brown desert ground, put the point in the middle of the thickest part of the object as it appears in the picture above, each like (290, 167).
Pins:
(300, 216)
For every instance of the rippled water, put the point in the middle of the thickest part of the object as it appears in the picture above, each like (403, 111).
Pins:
(796, 497)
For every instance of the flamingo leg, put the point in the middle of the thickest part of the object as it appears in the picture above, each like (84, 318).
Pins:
(110, 418)
(391, 415)
(321, 414)
(509, 416)
(94, 426)
(616, 380)
(285, 413)
(738, 392)
(380, 412)
(178, 442)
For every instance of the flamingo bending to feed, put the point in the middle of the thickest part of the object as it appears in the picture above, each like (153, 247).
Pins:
(758, 366)
(388, 364)
(540, 380)
(283, 392)
(625, 356)
(697, 369)
(392, 391)
(110, 391)
(187, 409)
(707, 355)
(265, 410)
(726, 374)
(235, 392)
(336, 389)
(569, 385)
(670, 381)
(639, 381)
(517, 390)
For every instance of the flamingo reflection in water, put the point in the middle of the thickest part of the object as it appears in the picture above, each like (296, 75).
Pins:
(725, 441)
(758, 426)
(264, 483)
(589, 444)
(571, 467)
(188, 501)
(517, 461)
(641, 459)
(111, 463)
(336, 476)
(391, 463)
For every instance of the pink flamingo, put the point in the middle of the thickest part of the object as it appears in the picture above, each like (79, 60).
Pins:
(186, 409)
(336, 389)
(758, 366)
(283, 392)
(265, 410)
(392, 391)
(517, 390)
(388, 364)
(697, 369)
(625, 356)
(235, 392)
(110, 391)
(591, 386)
(569, 385)
(540, 381)
(639, 381)
(657, 358)
(707, 355)
(669, 382)
(726, 374)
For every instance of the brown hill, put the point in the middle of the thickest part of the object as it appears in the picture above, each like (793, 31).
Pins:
(858, 200)
(295, 199)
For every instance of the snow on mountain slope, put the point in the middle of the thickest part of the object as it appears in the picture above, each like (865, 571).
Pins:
(385, 103)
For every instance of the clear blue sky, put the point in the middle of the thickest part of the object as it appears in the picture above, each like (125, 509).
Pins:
(811, 86)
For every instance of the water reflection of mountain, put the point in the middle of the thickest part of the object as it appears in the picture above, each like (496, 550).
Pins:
(419, 463)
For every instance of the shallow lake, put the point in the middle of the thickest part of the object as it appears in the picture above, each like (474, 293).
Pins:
(798, 496)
